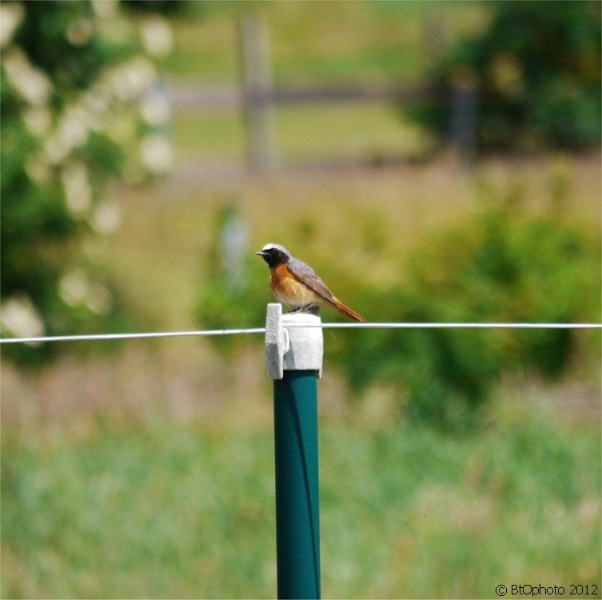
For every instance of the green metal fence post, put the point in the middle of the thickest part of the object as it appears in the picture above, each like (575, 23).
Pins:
(295, 362)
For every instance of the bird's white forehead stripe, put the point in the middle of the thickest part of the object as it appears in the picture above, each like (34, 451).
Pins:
(275, 247)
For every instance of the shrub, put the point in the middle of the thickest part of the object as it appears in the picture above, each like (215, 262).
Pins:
(536, 69)
(234, 288)
(501, 266)
(74, 81)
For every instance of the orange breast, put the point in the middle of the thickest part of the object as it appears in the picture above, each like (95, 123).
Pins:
(288, 290)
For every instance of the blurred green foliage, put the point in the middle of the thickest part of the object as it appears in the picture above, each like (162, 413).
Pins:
(171, 511)
(501, 264)
(536, 71)
(73, 79)
(166, 7)
(233, 291)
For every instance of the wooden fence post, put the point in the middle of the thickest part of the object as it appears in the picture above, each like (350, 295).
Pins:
(257, 92)
(463, 126)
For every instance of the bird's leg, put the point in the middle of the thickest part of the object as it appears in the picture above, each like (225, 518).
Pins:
(310, 307)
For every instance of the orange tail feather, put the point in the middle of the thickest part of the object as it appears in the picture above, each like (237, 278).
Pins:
(345, 310)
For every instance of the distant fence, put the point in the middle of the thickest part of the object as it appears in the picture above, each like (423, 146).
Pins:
(256, 97)
(187, 97)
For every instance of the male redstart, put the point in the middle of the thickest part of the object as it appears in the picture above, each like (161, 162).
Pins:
(297, 284)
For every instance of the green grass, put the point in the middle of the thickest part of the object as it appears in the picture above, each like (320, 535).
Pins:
(308, 133)
(188, 511)
(312, 43)
(331, 42)
(207, 136)
(368, 132)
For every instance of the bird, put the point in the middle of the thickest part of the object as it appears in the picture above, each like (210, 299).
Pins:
(295, 283)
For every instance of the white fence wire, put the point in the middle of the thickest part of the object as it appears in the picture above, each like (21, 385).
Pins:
(252, 330)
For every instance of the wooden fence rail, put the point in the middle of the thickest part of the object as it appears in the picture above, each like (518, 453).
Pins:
(256, 97)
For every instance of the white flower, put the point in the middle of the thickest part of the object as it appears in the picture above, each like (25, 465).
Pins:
(106, 217)
(132, 78)
(31, 83)
(55, 149)
(78, 192)
(99, 299)
(20, 318)
(11, 15)
(72, 128)
(156, 153)
(157, 37)
(73, 287)
(70, 132)
(105, 9)
(76, 289)
(94, 105)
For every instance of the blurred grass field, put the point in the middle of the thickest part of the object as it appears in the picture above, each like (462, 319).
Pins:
(333, 42)
(147, 470)
(188, 511)
(340, 43)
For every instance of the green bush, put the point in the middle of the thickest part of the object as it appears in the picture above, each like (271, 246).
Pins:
(501, 266)
(74, 88)
(234, 289)
(536, 71)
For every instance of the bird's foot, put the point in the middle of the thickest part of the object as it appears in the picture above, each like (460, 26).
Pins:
(309, 308)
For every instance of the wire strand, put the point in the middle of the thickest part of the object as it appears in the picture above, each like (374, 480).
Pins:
(454, 325)
(128, 336)
(252, 330)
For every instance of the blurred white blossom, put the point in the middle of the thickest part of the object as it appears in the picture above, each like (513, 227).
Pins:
(30, 83)
(78, 192)
(19, 317)
(11, 15)
(132, 78)
(99, 300)
(73, 287)
(71, 132)
(157, 37)
(77, 289)
(156, 153)
(105, 9)
(106, 217)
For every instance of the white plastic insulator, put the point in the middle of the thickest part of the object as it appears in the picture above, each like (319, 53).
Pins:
(289, 345)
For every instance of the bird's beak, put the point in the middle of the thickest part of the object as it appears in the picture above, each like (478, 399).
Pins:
(259, 253)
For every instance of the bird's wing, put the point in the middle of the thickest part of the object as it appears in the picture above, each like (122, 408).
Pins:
(306, 275)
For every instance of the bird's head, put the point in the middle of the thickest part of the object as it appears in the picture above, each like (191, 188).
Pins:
(274, 254)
